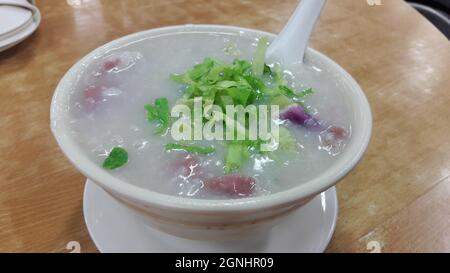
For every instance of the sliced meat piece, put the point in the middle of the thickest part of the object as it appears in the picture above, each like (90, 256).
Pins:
(120, 61)
(187, 164)
(110, 64)
(333, 135)
(296, 114)
(92, 95)
(232, 185)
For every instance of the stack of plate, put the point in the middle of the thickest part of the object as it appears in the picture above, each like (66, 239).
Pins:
(18, 20)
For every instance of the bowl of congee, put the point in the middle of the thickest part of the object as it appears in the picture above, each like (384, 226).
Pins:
(197, 133)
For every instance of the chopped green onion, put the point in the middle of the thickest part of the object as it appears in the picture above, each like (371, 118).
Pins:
(305, 92)
(190, 148)
(281, 100)
(236, 157)
(287, 141)
(277, 74)
(239, 83)
(259, 61)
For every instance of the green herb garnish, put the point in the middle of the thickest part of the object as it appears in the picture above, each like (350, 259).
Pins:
(237, 155)
(237, 83)
(305, 92)
(189, 148)
(116, 158)
(159, 112)
(287, 141)
(297, 96)
(282, 101)
(259, 61)
(277, 74)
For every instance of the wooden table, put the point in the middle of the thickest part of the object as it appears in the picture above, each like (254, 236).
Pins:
(398, 196)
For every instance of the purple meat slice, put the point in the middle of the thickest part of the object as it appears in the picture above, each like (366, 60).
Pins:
(296, 114)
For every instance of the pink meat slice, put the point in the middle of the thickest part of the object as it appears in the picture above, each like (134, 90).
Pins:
(333, 135)
(111, 63)
(233, 185)
(93, 93)
(187, 164)
(92, 96)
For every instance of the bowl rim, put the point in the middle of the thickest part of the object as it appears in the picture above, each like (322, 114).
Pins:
(135, 194)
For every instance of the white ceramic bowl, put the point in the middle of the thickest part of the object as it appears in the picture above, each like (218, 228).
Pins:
(210, 219)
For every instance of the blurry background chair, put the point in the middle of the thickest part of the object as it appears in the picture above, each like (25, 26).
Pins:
(436, 11)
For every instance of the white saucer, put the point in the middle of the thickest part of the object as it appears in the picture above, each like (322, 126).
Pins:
(114, 228)
(13, 18)
(24, 24)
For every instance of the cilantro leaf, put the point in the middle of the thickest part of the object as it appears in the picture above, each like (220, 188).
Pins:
(160, 113)
(287, 91)
(305, 92)
(201, 69)
(116, 158)
(181, 78)
(297, 96)
(267, 70)
(239, 95)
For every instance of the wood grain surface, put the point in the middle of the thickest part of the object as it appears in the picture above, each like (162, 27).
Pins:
(399, 194)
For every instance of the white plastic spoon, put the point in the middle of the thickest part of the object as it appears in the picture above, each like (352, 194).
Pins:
(290, 45)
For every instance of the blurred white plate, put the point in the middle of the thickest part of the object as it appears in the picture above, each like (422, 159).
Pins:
(16, 24)
(12, 19)
(115, 228)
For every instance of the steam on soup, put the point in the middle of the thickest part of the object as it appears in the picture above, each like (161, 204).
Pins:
(123, 116)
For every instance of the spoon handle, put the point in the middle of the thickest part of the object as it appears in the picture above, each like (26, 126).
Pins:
(290, 45)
